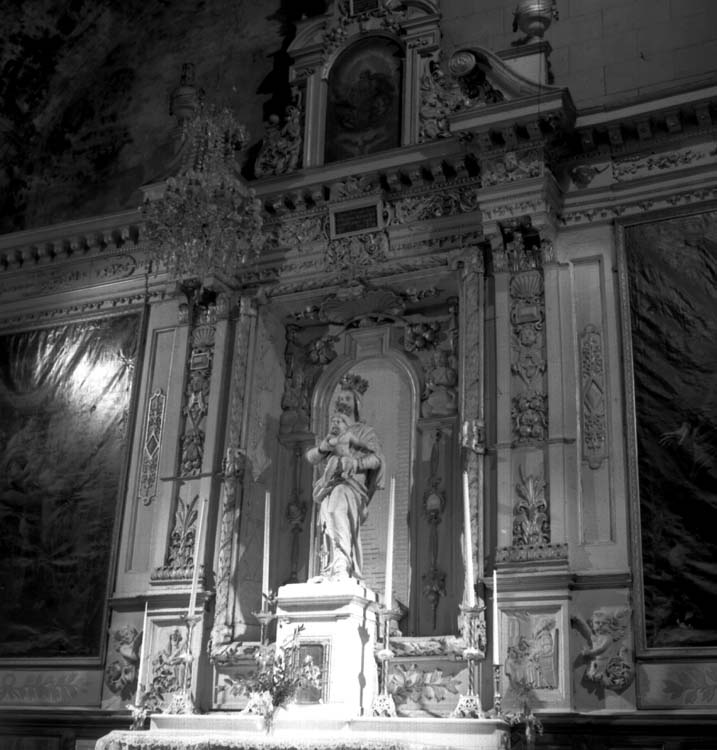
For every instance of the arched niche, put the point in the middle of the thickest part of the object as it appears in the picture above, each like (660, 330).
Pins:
(391, 407)
(364, 99)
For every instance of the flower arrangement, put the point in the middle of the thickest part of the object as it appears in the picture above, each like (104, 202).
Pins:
(532, 726)
(278, 678)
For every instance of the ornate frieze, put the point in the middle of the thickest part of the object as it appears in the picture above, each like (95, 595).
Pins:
(511, 166)
(531, 521)
(154, 422)
(424, 207)
(655, 201)
(532, 553)
(351, 256)
(592, 391)
(636, 167)
(607, 653)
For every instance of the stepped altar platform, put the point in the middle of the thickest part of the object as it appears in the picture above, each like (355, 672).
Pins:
(308, 730)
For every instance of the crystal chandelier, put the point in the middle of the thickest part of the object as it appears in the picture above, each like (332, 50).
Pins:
(207, 223)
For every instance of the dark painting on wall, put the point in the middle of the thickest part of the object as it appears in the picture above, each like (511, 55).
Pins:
(364, 100)
(64, 410)
(672, 278)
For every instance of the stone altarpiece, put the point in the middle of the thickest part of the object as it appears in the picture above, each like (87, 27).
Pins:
(465, 273)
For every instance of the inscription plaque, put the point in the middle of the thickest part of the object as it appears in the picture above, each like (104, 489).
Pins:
(361, 219)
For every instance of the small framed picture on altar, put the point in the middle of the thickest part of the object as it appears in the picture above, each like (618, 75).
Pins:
(313, 661)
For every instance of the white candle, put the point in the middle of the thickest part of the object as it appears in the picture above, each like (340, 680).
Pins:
(142, 654)
(195, 574)
(468, 543)
(388, 593)
(267, 537)
(496, 621)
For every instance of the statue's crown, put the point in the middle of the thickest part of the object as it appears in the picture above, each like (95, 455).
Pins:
(353, 382)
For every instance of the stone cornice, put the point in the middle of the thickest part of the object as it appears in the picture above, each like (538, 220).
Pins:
(69, 240)
(639, 126)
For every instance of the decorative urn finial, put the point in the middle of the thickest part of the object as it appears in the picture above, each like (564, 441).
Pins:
(533, 17)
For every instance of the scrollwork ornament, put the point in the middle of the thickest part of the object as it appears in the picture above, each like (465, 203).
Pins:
(352, 256)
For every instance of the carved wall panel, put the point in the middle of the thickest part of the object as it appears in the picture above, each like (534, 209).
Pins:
(597, 506)
(149, 468)
(534, 650)
(592, 387)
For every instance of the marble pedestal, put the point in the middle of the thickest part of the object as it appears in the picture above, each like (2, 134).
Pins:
(337, 630)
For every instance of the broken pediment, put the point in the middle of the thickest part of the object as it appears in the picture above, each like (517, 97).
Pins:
(502, 107)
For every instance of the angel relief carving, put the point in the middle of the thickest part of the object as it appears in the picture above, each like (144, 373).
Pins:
(439, 97)
(606, 632)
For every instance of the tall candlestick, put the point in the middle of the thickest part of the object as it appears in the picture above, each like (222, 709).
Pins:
(468, 543)
(496, 621)
(388, 593)
(142, 656)
(267, 537)
(197, 565)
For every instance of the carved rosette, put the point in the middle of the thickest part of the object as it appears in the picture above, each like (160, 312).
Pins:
(592, 384)
(150, 447)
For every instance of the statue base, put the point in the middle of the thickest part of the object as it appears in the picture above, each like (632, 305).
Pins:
(335, 625)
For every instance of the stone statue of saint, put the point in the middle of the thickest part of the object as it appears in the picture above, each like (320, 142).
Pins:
(441, 398)
(353, 471)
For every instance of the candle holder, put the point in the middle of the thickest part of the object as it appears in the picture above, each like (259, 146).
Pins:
(266, 615)
(468, 706)
(497, 697)
(383, 703)
(183, 701)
